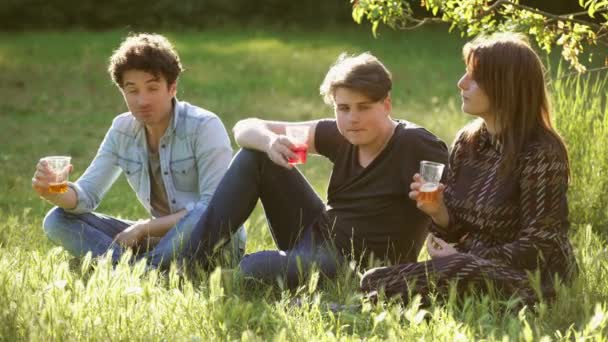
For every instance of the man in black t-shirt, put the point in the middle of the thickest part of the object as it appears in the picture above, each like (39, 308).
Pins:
(368, 211)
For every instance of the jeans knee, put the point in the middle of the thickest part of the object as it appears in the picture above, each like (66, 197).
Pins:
(53, 222)
(247, 156)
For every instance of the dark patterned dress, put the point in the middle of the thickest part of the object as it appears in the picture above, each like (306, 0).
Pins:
(504, 228)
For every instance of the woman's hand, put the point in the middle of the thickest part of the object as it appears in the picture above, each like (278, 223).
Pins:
(437, 248)
(436, 208)
(279, 151)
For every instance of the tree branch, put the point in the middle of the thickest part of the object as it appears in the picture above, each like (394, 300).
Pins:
(419, 22)
(563, 17)
(586, 13)
(586, 71)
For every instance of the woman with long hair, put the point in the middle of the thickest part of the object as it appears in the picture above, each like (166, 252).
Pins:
(502, 215)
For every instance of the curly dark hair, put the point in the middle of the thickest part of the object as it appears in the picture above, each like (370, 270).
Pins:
(151, 53)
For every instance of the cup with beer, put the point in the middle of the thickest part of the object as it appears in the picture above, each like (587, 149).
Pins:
(430, 172)
(298, 135)
(60, 169)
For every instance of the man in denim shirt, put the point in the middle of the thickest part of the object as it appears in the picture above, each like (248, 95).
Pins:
(172, 153)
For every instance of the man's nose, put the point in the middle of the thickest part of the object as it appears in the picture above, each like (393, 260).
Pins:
(142, 100)
(353, 116)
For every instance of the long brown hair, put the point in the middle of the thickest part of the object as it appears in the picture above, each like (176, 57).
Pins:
(512, 75)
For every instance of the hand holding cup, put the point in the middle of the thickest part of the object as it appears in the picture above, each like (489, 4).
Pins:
(51, 176)
(427, 190)
(298, 136)
(279, 151)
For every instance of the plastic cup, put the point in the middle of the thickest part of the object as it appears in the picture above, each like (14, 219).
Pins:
(298, 135)
(60, 167)
(431, 176)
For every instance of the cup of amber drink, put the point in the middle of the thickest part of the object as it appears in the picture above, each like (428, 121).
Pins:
(430, 172)
(60, 169)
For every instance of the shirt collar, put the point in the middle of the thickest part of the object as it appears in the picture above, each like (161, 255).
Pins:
(488, 140)
(177, 106)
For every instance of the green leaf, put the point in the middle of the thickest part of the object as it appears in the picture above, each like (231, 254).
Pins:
(591, 10)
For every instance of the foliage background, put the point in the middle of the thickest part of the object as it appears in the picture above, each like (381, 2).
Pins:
(190, 14)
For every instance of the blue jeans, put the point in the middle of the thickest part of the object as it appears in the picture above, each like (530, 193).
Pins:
(94, 232)
(291, 207)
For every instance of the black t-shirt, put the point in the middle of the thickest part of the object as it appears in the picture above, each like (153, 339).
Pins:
(368, 209)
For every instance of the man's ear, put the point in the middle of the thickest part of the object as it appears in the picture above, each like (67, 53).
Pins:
(173, 88)
(388, 104)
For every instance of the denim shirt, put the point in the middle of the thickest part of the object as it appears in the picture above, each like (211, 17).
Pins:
(194, 153)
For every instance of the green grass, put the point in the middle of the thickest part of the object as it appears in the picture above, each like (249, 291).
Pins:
(56, 98)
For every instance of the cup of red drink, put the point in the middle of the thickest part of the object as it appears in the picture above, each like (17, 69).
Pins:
(298, 135)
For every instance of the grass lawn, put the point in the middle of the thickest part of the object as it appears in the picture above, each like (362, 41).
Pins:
(57, 98)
